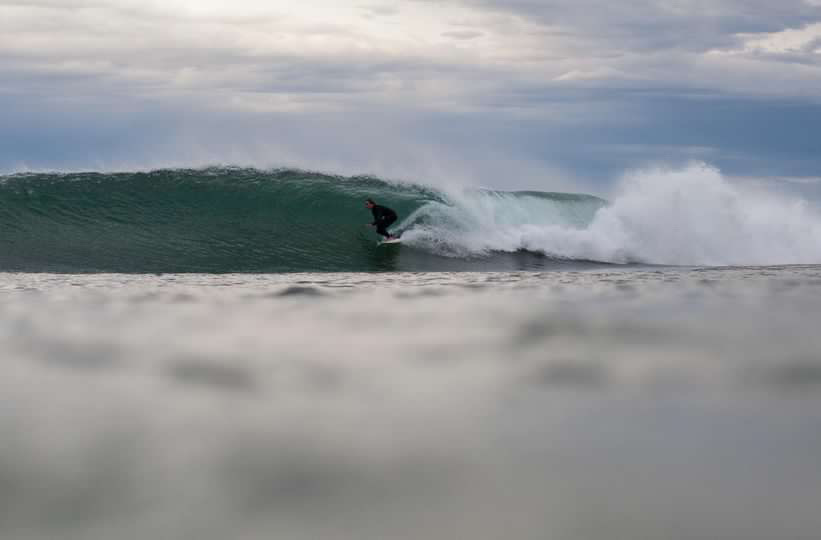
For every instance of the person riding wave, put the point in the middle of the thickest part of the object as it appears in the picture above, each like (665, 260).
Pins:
(383, 217)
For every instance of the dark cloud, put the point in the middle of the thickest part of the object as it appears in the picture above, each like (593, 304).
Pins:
(652, 25)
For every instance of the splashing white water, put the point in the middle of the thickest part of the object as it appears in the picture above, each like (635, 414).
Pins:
(691, 216)
(478, 222)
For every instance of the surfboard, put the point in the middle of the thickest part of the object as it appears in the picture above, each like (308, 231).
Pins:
(391, 241)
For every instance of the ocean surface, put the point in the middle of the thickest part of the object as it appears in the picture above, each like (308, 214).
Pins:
(226, 353)
(614, 405)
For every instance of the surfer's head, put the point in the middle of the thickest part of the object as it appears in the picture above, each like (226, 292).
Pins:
(369, 203)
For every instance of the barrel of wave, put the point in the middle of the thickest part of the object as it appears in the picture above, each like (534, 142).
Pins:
(473, 223)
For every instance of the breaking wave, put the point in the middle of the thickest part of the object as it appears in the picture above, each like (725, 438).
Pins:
(248, 220)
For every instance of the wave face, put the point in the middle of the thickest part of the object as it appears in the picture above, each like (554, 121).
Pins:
(246, 220)
(221, 220)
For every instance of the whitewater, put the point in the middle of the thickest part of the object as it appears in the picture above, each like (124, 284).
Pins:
(247, 220)
(691, 216)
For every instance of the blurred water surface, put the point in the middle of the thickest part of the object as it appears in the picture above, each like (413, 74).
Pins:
(607, 404)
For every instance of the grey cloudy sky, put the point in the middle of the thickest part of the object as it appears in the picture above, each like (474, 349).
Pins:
(507, 93)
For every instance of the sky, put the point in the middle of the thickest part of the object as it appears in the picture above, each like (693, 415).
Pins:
(520, 94)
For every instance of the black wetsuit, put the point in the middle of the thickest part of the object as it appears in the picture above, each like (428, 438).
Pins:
(383, 217)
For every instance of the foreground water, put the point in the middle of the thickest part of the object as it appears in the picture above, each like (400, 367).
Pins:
(608, 404)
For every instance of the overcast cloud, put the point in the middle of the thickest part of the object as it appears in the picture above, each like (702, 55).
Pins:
(510, 93)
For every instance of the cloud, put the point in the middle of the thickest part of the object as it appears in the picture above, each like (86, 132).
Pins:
(572, 89)
(381, 10)
(806, 40)
(644, 25)
(591, 75)
(324, 52)
(462, 34)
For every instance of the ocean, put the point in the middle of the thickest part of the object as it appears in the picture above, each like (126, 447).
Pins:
(226, 353)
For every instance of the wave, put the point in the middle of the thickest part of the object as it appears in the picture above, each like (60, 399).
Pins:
(690, 217)
(248, 220)
(236, 220)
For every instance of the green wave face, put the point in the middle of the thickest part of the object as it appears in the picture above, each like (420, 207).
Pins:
(245, 220)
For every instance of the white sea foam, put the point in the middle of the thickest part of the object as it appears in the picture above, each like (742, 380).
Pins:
(691, 216)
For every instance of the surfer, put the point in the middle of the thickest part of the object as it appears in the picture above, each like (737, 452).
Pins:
(383, 217)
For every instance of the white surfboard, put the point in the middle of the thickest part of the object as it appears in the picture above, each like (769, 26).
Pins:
(391, 241)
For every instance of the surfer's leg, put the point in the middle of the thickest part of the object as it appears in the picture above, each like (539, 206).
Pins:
(381, 229)
(384, 227)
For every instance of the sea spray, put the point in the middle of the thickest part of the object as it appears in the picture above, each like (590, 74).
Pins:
(472, 223)
(691, 216)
